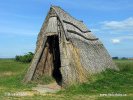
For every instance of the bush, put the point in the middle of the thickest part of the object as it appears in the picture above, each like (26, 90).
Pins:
(115, 57)
(25, 58)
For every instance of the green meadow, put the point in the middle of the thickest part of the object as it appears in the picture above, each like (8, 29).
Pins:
(108, 85)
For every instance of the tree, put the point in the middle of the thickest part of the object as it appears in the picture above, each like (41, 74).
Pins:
(115, 57)
(25, 58)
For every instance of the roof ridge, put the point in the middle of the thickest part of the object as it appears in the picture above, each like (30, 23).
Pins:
(67, 13)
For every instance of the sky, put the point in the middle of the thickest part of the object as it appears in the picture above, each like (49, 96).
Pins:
(110, 20)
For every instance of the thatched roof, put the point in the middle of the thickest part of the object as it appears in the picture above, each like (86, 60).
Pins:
(70, 24)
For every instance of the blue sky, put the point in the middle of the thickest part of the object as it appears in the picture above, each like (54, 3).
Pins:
(109, 20)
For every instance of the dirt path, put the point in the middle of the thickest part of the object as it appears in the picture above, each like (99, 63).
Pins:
(50, 88)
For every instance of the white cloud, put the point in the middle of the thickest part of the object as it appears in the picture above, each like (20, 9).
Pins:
(121, 38)
(95, 30)
(115, 41)
(124, 25)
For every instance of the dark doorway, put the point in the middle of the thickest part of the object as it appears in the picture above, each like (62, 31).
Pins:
(55, 50)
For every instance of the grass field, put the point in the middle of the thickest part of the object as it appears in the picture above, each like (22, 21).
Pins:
(111, 85)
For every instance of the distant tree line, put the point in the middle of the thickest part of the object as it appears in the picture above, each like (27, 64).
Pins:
(123, 58)
(25, 58)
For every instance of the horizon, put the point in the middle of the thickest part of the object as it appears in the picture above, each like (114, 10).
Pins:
(110, 21)
(111, 56)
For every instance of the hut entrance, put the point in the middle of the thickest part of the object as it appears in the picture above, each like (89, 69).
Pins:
(53, 42)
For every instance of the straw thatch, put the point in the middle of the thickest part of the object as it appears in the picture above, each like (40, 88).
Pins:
(67, 50)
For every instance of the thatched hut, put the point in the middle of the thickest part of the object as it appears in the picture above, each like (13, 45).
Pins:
(67, 50)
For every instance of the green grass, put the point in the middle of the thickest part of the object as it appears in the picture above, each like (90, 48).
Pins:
(108, 82)
(11, 75)
(11, 65)
(44, 80)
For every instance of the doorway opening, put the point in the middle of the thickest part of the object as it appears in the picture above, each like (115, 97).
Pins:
(54, 50)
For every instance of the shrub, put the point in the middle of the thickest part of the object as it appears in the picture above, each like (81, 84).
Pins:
(115, 57)
(25, 58)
